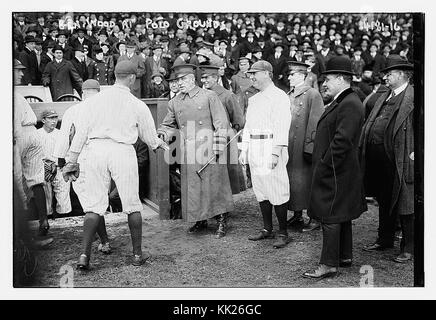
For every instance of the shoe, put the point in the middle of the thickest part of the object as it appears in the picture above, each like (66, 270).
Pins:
(198, 226)
(43, 230)
(345, 263)
(296, 221)
(375, 247)
(83, 263)
(263, 234)
(311, 226)
(403, 257)
(39, 244)
(138, 260)
(105, 248)
(321, 272)
(282, 241)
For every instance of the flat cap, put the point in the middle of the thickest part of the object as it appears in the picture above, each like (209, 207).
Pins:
(91, 84)
(18, 64)
(49, 114)
(125, 67)
(261, 65)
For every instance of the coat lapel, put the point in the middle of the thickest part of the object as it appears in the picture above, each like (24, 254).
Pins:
(406, 107)
(335, 103)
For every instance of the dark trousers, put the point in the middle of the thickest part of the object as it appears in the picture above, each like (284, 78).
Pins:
(337, 243)
(381, 174)
(407, 227)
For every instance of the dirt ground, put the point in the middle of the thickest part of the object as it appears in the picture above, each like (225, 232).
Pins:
(178, 259)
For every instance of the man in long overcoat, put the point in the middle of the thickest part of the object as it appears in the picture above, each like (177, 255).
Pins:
(61, 76)
(209, 77)
(139, 64)
(306, 109)
(387, 156)
(202, 122)
(337, 195)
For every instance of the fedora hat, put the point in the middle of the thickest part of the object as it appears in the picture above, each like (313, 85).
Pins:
(395, 61)
(341, 65)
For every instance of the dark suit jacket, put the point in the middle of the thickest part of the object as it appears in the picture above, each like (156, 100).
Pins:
(280, 67)
(81, 69)
(28, 59)
(337, 193)
(403, 143)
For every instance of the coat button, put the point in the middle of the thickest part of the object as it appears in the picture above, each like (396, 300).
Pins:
(301, 103)
(200, 122)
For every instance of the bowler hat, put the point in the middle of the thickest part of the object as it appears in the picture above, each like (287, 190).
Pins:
(279, 44)
(62, 33)
(79, 47)
(261, 65)
(396, 62)
(57, 47)
(130, 44)
(98, 50)
(29, 39)
(80, 29)
(338, 64)
(125, 67)
(118, 44)
(181, 70)
(103, 32)
(91, 84)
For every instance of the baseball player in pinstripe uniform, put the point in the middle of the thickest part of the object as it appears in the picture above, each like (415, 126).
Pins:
(112, 125)
(264, 147)
(49, 135)
(29, 147)
(71, 116)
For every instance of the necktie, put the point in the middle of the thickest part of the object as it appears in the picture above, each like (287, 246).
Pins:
(391, 96)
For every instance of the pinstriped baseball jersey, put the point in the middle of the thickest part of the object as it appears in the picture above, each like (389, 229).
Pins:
(28, 141)
(60, 188)
(111, 125)
(266, 132)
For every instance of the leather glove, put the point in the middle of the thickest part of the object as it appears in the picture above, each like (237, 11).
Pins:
(70, 171)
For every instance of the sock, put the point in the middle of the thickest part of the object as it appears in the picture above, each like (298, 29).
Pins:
(40, 203)
(101, 230)
(90, 225)
(266, 209)
(135, 225)
(281, 213)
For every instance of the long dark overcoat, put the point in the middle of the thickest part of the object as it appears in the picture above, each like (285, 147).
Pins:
(197, 115)
(403, 143)
(337, 186)
(62, 78)
(306, 109)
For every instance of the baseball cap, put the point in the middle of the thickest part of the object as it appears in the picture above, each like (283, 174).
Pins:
(125, 67)
(49, 114)
(261, 65)
(91, 84)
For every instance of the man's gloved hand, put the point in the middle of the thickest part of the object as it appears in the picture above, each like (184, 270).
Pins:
(70, 171)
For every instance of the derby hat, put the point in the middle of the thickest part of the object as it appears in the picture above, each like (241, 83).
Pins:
(341, 65)
(396, 62)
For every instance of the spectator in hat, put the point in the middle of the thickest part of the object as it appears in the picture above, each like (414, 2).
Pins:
(311, 77)
(357, 64)
(248, 44)
(184, 56)
(173, 87)
(90, 63)
(280, 66)
(28, 58)
(306, 109)
(79, 63)
(155, 64)
(374, 58)
(337, 196)
(395, 46)
(339, 51)
(62, 42)
(61, 76)
(80, 39)
(387, 157)
(139, 65)
(377, 90)
(46, 57)
(33, 31)
(348, 48)
(209, 196)
(241, 80)
(209, 78)
(256, 55)
(103, 73)
(158, 86)
(365, 85)
(38, 53)
(324, 55)
(234, 48)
